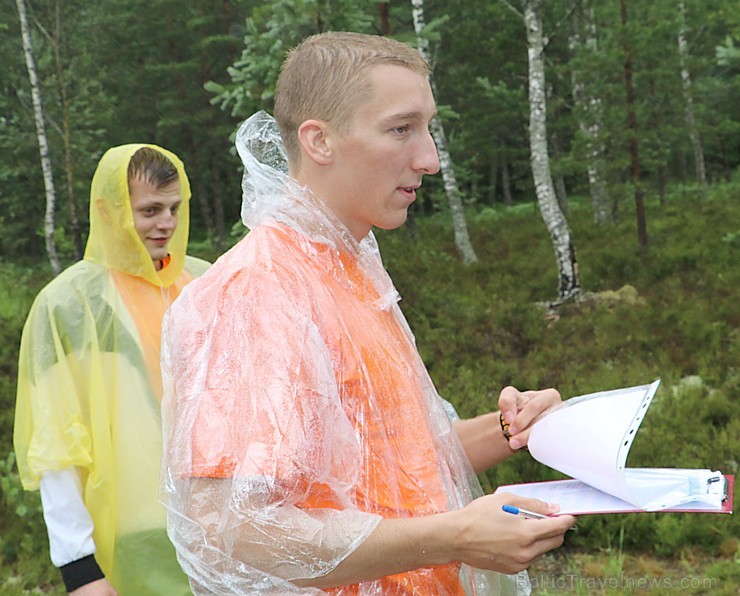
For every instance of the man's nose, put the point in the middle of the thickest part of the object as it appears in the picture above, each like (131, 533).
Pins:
(428, 159)
(168, 221)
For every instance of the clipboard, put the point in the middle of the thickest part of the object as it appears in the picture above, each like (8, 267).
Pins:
(589, 437)
(578, 498)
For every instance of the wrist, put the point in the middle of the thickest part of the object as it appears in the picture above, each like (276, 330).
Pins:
(462, 538)
(443, 539)
(81, 572)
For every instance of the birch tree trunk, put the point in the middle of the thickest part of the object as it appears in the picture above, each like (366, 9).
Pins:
(462, 238)
(696, 145)
(569, 285)
(38, 111)
(590, 117)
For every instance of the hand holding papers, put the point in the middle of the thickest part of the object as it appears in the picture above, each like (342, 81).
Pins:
(589, 438)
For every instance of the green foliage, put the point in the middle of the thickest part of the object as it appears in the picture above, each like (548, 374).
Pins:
(673, 316)
(24, 549)
(129, 72)
(159, 72)
(270, 31)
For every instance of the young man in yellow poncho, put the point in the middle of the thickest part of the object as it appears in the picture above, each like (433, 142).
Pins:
(306, 448)
(87, 422)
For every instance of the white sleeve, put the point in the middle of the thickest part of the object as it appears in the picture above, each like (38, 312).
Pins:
(68, 521)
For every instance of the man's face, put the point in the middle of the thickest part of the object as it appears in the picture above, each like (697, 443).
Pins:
(378, 165)
(155, 214)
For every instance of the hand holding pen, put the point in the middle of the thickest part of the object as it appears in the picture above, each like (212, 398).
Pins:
(488, 536)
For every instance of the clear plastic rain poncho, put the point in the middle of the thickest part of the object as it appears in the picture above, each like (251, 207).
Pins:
(89, 384)
(297, 410)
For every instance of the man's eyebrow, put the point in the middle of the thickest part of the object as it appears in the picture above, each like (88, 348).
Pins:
(160, 204)
(410, 115)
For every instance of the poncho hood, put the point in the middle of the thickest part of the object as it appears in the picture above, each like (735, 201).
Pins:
(113, 241)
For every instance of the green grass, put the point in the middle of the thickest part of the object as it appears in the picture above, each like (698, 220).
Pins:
(671, 312)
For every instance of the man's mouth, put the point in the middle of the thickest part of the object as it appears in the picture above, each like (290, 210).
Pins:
(410, 190)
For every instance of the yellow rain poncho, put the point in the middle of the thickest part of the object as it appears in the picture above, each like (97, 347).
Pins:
(297, 410)
(89, 384)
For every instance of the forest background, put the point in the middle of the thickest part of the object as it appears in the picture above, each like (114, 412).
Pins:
(634, 170)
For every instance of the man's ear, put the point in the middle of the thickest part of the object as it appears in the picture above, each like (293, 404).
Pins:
(313, 138)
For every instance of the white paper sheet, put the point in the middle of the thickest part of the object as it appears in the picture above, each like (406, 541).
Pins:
(589, 438)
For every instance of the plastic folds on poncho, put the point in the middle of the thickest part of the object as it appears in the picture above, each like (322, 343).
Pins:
(297, 410)
(89, 383)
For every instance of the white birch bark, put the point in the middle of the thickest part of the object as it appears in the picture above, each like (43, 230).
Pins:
(569, 285)
(696, 145)
(462, 238)
(42, 140)
(590, 118)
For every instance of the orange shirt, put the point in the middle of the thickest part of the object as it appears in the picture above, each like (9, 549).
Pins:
(146, 304)
(310, 383)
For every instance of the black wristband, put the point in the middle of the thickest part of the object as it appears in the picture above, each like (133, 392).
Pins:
(80, 572)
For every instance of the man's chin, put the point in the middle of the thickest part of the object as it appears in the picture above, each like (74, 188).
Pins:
(395, 222)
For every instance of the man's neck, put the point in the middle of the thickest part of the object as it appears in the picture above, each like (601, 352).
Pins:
(160, 264)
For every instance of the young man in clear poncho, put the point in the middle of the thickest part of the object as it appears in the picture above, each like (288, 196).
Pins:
(88, 416)
(306, 447)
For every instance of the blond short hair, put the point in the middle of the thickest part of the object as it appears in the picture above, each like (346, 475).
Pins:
(325, 77)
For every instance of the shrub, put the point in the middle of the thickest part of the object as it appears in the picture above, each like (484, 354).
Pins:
(478, 329)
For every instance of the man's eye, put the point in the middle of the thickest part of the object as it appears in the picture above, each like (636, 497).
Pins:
(401, 129)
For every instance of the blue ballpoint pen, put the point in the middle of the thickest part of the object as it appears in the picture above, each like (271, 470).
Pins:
(523, 512)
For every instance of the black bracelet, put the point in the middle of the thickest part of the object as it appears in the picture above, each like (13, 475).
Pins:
(81, 572)
(504, 426)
